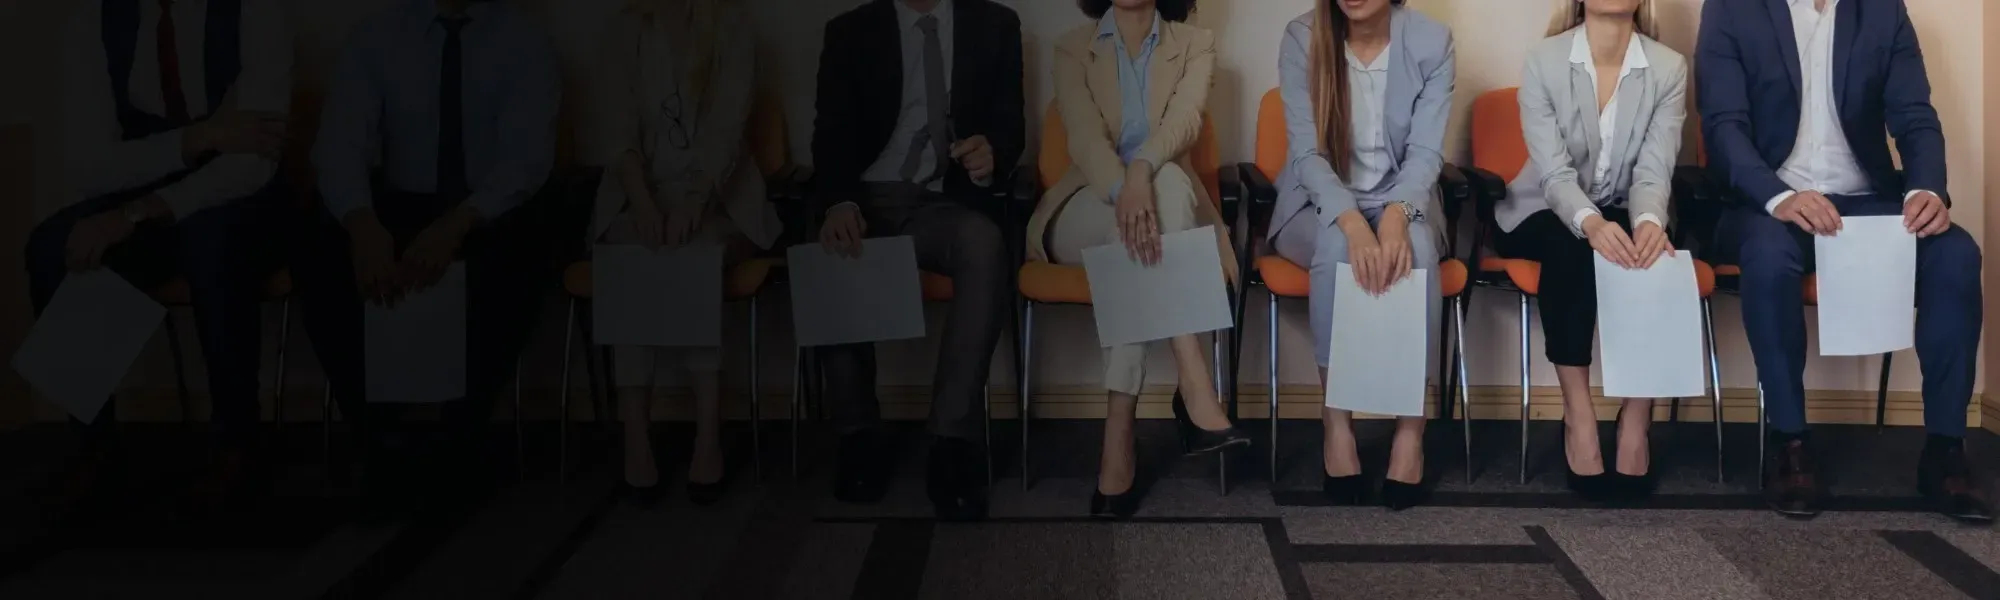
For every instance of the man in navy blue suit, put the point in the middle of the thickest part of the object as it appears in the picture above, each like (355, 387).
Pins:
(1798, 98)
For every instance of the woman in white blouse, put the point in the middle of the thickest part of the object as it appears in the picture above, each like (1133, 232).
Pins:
(672, 101)
(1601, 109)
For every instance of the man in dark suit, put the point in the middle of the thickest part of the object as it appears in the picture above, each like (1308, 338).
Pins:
(1798, 98)
(919, 106)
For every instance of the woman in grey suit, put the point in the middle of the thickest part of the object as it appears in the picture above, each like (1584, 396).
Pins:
(671, 103)
(1367, 88)
(1601, 108)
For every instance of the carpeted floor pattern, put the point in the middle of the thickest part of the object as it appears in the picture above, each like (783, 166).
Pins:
(782, 536)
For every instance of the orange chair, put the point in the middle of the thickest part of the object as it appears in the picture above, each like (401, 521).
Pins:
(277, 288)
(1499, 154)
(1282, 278)
(744, 282)
(1701, 200)
(1050, 283)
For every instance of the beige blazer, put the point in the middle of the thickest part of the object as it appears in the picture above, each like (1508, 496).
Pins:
(636, 84)
(1088, 99)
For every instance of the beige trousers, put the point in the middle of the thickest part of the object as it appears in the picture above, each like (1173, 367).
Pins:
(1090, 218)
(639, 366)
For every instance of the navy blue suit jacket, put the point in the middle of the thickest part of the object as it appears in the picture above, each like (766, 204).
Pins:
(1749, 88)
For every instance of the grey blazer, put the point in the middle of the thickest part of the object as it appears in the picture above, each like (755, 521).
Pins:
(1418, 109)
(1559, 119)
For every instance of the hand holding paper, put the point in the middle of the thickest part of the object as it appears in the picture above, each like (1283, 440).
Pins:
(872, 297)
(415, 351)
(1867, 287)
(85, 341)
(1183, 293)
(1649, 325)
(665, 297)
(1378, 350)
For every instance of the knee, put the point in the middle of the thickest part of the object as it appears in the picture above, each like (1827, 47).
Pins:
(980, 244)
(1174, 197)
(1953, 255)
(1769, 246)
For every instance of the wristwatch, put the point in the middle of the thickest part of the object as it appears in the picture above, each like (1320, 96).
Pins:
(1410, 212)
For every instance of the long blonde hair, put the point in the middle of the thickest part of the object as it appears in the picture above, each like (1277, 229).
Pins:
(1569, 15)
(692, 28)
(1330, 103)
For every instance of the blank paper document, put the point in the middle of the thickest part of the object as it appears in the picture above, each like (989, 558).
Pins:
(1184, 293)
(1649, 329)
(871, 298)
(1376, 359)
(663, 297)
(1867, 287)
(415, 352)
(85, 341)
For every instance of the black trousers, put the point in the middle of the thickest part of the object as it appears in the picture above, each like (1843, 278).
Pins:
(1568, 294)
(224, 252)
(500, 298)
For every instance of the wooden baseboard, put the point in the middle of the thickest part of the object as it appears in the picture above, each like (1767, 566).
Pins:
(1085, 402)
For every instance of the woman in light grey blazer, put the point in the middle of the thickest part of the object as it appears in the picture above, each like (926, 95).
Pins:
(1601, 108)
(672, 101)
(1367, 90)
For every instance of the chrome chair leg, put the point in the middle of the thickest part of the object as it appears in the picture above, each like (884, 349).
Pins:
(562, 408)
(986, 401)
(278, 382)
(1714, 387)
(1882, 393)
(1524, 387)
(1027, 387)
(1464, 393)
(1222, 457)
(756, 397)
(1761, 433)
(1271, 381)
(798, 389)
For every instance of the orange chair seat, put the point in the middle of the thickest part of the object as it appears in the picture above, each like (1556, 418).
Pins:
(937, 288)
(1050, 283)
(1289, 280)
(177, 293)
(1527, 274)
(743, 281)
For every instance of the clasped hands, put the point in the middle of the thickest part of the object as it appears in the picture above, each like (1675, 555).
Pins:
(1924, 214)
(385, 279)
(230, 131)
(845, 228)
(1647, 243)
(1381, 255)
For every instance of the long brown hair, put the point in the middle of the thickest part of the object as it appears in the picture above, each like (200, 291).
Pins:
(1330, 103)
(1569, 15)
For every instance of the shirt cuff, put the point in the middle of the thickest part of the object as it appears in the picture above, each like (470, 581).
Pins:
(1648, 218)
(1913, 194)
(1771, 207)
(829, 210)
(180, 203)
(1581, 214)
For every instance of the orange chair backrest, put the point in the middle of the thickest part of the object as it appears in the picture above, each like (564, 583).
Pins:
(1054, 161)
(1497, 142)
(1700, 145)
(766, 135)
(1273, 142)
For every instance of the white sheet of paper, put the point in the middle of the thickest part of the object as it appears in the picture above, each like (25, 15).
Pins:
(1377, 356)
(1649, 329)
(79, 350)
(414, 353)
(668, 297)
(1867, 287)
(1185, 293)
(841, 300)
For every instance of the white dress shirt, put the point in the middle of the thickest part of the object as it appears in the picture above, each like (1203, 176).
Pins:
(1821, 160)
(100, 161)
(915, 115)
(1607, 122)
(1372, 160)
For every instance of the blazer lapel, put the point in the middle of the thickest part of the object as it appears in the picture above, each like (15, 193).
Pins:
(1584, 95)
(1404, 81)
(1103, 75)
(1788, 43)
(1630, 97)
(888, 60)
(1161, 74)
(1847, 27)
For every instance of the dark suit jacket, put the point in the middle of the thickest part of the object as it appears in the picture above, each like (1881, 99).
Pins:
(1749, 88)
(861, 88)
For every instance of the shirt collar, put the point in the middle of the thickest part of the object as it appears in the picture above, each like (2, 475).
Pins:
(1635, 52)
(1829, 3)
(424, 14)
(906, 17)
(1107, 27)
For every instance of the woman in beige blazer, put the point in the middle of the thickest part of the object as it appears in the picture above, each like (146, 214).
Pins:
(1602, 105)
(1131, 87)
(671, 103)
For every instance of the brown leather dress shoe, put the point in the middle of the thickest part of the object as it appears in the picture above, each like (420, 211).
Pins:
(1945, 478)
(1789, 485)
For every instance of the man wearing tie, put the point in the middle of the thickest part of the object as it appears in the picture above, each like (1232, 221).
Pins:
(1797, 99)
(174, 122)
(919, 108)
(458, 100)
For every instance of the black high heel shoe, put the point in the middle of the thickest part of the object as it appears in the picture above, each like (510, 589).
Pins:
(1347, 490)
(1196, 440)
(1120, 506)
(1593, 488)
(1397, 495)
(641, 497)
(704, 494)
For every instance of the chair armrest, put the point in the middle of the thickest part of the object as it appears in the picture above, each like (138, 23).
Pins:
(1488, 189)
(1229, 180)
(1456, 189)
(1026, 187)
(1263, 197)
(790, 190)
(1698, 205)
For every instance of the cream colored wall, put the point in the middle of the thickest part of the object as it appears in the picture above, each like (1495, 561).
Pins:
(1492, 37)
(1992, 164)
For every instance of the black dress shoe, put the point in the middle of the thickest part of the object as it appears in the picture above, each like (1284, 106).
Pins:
(956, 479)
(865, 463)
(642, 497)
(1203, 441)
(1631, 489)
(1117, 507)
(1945, 479)
(1790, 487)
(1397, 495)
(1592, 488)
(1346, 490)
